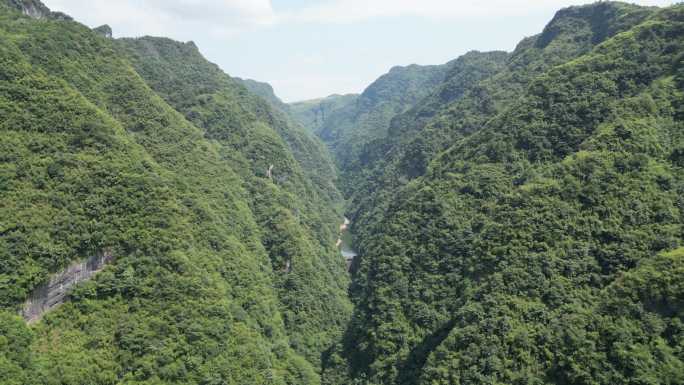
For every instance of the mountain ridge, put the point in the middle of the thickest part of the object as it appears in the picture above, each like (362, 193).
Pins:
(114, 157)
(517, 217)
(489, 226)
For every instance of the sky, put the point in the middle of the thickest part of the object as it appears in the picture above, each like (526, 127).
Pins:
(313, 48)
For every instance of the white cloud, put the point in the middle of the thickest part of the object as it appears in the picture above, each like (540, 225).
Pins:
(312, 85)
(351, 11)
(294, 65)
(181, 19)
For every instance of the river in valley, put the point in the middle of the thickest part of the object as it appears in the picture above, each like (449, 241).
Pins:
(345, 243)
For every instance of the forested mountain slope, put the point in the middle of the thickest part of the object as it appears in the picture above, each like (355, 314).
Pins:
(519, 217)
(540, 242)
(264, 91)
(367, 117)
(299, 218)
(484, 86)
(407, 148)
(312, 154)
(314, 113)
(221, 273)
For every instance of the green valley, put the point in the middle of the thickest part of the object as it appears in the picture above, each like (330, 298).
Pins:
(514, 217)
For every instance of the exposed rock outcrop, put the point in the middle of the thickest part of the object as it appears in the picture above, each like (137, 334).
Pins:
(51, 294)
(37, 10)
(32, 8)
(104, 30)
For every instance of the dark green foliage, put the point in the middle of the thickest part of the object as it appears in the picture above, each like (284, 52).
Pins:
(348, 128)
(100, 152)
(15, 350)
(264, 91)
(519, 217)
(298, 218)
(35, 8)
(416, 135)
(104, 30)
(313, 114)
(517, 231)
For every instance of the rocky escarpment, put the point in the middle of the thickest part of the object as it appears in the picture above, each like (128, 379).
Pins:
(51, 294)
(37, 10)
(104, 30)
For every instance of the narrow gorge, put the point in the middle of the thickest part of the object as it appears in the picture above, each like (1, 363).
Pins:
(53, 293)
(506, 217)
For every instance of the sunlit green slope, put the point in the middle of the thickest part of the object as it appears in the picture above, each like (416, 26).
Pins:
(97, 156)
(534, 245)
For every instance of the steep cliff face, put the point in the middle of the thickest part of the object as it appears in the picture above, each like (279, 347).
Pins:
(36, 9)
(104, 30)
(48, 296)
(31, 8)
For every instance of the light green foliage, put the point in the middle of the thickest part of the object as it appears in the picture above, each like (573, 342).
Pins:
(97, 153)
(519, 216)
(313, 114)
(298, 217)
(355, 121)
(550, 192)
(15, 353)
(264, 91)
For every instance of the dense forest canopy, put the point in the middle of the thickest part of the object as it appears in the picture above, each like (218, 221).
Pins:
(518, 216)
(522, 223)
(145, 149)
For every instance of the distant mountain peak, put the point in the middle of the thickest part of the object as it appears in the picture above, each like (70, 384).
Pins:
(104, 30)
(604, 19)
(192, 45)
(33, 8)
(264, 91)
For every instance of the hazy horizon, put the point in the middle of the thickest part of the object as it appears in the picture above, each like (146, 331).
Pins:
(311, 49)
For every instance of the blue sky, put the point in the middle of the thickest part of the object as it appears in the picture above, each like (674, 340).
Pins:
(313, 48)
